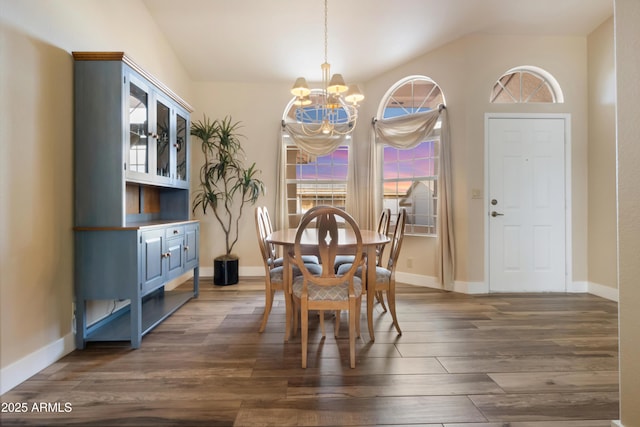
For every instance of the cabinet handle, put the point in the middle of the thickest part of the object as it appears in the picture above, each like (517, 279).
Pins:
(186, 248)
(166, 255)
(175, 231)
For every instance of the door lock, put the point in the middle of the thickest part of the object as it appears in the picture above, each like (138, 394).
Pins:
(495, 214)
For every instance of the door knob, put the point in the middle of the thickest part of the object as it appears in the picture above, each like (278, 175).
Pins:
(495, 214)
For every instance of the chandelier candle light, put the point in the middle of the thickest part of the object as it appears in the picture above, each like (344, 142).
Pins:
(335, 109)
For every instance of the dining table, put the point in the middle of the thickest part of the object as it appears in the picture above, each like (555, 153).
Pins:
(371, 240)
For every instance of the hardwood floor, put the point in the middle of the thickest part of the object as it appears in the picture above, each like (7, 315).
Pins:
(463, 361)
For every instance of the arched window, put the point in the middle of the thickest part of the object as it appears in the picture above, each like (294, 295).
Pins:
(409, 176)
(309, 179)
(526, 84)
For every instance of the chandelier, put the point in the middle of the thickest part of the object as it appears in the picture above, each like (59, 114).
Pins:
(333, 110)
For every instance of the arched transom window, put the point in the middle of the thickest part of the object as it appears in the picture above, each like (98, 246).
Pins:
(526, 84)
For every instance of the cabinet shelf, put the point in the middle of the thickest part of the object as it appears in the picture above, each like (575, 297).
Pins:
(155, 308)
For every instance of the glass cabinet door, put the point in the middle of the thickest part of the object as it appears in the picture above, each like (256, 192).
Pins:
(163, 138)
(138, 129)
(181, 148)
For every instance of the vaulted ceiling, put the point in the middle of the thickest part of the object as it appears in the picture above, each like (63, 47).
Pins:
(277, 40)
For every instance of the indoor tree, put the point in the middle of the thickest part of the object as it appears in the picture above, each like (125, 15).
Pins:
(226, 184)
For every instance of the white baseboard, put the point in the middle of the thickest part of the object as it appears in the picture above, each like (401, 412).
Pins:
(242, 271)
(616, 423)
(471, 287)
(23, 369)
(577, 287)
(417, 280)
(606, 292)
(432, 282)
(603, 291)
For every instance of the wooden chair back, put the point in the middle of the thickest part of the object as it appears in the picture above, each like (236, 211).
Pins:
(268, 225)
(324, 219)
(396, 241)
(383, 228)
(262, 234)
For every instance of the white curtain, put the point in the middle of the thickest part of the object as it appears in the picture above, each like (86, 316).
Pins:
(318, 145)
(281, 221)
(406, 132)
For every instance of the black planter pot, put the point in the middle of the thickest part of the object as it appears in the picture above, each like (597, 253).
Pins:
(225, 270)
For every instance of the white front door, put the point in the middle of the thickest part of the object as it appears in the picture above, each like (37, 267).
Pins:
(526, 194)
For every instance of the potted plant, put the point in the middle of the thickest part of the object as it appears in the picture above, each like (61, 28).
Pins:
(226, 185)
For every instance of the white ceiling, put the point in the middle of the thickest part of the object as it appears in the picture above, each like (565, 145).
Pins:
(278, 40)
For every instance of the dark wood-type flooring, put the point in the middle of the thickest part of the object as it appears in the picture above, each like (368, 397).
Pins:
(517, 360)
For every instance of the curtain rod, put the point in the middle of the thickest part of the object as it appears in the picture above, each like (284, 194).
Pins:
(440, 108)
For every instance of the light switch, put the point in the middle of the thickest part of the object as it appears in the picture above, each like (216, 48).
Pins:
(476, 193)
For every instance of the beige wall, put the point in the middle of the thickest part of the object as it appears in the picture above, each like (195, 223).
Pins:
(627, 17)
(36, 213)
(466, 71)
(253, 105)
(602, 161)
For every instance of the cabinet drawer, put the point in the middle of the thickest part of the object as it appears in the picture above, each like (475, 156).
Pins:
(175, 231)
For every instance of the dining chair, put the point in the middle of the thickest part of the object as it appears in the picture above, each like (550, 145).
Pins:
(386, 276)
(328, 291)
(273, 252)
(274, 271)
(383, 228)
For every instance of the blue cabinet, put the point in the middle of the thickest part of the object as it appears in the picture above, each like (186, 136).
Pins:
(131, 208)
(153, 265)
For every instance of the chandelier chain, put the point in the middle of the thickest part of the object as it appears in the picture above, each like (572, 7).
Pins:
(326, 31)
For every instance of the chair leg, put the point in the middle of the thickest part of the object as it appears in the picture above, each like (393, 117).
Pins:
(296, 316)
(391, 299)
(380, 299)
(336, 324)
(268, 303)
(358, 315)
(289, 310)
(321, 315)
(304, 324)
(370, 318)
(352, 332)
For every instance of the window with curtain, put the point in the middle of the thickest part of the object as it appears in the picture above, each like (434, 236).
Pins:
(315, 168)
(409, 176)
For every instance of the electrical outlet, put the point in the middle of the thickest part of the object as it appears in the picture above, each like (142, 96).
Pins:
(409, 262)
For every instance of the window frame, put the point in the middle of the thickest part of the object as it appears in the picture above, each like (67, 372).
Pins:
(293, 217)
(410, 227)
(546, 79)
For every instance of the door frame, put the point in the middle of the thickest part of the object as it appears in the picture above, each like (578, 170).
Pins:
(568, 283)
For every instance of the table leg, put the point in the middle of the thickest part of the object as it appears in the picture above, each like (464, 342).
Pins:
(371, 287)
(288, 303)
